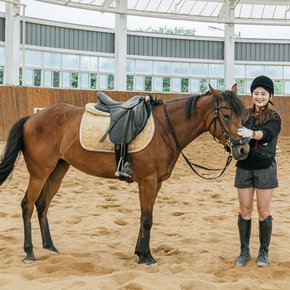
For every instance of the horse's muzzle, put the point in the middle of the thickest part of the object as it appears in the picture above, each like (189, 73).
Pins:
(241, 151)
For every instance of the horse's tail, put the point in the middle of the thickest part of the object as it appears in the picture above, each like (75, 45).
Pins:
(13, 148)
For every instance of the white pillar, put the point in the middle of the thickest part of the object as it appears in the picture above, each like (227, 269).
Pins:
(121, 47)
(229, 45)
(12, 44)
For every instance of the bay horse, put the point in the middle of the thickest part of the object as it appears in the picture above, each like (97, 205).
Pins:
(49, 141)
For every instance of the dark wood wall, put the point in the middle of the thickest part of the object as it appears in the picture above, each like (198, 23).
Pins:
(16, 102)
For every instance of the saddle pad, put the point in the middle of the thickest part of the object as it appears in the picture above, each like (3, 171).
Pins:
(94, 125)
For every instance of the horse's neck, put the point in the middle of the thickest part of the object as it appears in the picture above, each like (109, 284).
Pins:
(187, 129)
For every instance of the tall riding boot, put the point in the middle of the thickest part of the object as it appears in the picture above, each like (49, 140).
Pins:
(245, 233)
(265, 233)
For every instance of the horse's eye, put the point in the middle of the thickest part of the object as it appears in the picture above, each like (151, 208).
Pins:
(226, 117)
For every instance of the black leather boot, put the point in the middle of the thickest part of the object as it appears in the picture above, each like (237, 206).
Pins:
(265, 233)
(245, 233)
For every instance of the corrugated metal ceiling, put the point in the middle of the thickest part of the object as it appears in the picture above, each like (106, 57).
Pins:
(245, 12)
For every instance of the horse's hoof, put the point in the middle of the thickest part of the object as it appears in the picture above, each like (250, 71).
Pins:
(148, 261)
(52, 250)
(29, 259)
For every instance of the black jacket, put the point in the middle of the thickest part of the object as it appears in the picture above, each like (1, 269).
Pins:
(262, 152)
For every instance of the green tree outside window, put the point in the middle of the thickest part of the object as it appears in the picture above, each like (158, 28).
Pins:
(74, 80)
(166, 84)
(148, 83)
(203, 86)
(241, 86)
(55, 79)
(1, 75)
(20, 76)
(130, 83)
(110, 82)
(184, 85)
(37, 78)
(93, 81)
(277, 87)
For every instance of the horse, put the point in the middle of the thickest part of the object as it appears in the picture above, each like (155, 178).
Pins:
(50, 144)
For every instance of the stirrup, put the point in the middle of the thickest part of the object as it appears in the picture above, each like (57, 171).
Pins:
(125, 171)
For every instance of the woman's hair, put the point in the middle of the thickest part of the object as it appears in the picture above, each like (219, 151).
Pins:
(266, 114)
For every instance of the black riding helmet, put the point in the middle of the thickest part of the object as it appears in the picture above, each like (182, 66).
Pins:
(264, 82)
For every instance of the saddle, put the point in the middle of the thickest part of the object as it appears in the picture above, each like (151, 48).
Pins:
(127, 120)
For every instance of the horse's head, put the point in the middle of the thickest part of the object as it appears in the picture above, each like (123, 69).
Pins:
(225, 120)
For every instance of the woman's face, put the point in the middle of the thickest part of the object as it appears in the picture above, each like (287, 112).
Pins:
(261, 97)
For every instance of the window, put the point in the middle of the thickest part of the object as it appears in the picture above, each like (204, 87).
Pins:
(199, 69)
(144, 67)
(2, 56)
(139, 83)
(47, 78)
(66, 79)
(148, 83)
(33, 58)
(180, 69)
(111, 82)
(274, 71)
(56, 79)
(70, 61)
(106, 64)
(184, 85)
(93, 81)
(287, 87)
(85, 81)
(51, 60)
(254, 70)
(176, 85)
(277, 87)
(158, 84)
(239, 71)
(1, 75)
(216, 70)
(194, 85)
(162, 68)
(130, 66)
(37, 78)
(130, 83)
(166, 84)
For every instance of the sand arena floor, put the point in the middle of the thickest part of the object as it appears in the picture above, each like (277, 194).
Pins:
(95, 222)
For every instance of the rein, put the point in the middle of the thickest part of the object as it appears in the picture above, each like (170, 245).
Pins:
(227, 146)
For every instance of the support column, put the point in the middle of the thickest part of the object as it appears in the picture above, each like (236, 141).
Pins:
(12, 44)
(121, 47)
(229, 45)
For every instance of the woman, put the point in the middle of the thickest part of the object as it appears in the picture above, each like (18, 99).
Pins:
(257, 173)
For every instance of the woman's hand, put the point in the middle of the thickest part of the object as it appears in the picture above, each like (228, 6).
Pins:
(245, 132)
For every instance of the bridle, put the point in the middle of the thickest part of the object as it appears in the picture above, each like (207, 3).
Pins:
(228, 146)
(213, 122)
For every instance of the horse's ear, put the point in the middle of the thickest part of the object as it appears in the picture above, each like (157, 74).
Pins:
(234, 89)
(213, 91)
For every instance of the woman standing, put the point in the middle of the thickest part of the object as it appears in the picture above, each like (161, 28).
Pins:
(258, 172)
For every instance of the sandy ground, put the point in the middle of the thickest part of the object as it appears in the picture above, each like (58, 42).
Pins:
(95, 222)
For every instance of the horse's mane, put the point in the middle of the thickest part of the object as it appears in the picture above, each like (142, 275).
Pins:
(235, 103)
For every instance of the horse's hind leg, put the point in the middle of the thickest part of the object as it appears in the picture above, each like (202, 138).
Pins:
(33, 190)
(49, 190)
(148, 190)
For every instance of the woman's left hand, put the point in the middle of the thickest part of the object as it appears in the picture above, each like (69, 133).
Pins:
(245, 132)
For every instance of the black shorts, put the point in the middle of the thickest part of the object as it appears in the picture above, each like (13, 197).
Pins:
(265, 178)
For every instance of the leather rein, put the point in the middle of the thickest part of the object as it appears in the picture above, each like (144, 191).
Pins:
(229, 143)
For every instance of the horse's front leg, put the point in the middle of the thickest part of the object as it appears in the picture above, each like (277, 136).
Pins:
(148, 189)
